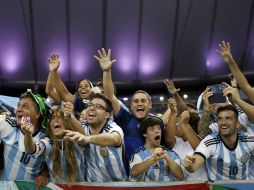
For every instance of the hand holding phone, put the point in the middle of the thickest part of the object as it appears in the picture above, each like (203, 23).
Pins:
(26, 125)
(217, 96)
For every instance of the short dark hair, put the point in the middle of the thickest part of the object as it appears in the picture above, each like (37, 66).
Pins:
(109, 106)
(228, 107)
(149, 122)
(142, 92)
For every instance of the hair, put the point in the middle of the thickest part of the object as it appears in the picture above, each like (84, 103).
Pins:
(149, 122)
(99, 83)
(226, 108)
(70, 155)
(77, 86)
(40, 107)
(29, 95)
(109, 106)
(143, 92)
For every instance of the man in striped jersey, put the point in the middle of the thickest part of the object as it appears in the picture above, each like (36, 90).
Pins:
(153, 162)
(128, 120)
(103, 141)
(227, 152)
(18, 164)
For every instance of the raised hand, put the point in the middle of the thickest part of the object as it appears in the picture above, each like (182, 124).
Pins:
(171, 87)
(185, 117)
(68, 109)
(231, 92)
(54, 62)
(172, 105)
(225, 52)
(104, 59)
(26, 126)
(206, 94)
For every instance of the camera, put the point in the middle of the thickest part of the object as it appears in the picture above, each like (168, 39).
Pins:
(217, 96)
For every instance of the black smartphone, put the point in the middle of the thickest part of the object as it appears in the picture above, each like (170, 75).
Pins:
(217, 96)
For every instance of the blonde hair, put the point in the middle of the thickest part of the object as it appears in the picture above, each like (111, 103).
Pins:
(71, 162)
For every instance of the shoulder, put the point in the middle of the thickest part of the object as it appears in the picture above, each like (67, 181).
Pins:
(211, 139)
(7, 123)
(140, 149)
(245, 137)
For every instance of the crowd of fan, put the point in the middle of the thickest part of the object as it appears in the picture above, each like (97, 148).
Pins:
(92, 136)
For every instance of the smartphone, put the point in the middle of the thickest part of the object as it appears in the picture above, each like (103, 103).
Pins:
(217, 96)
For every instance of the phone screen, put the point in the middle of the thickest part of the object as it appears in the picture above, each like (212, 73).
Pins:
(217, 96)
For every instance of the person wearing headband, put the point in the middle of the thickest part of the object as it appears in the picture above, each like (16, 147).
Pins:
(82, 92)
(65, 160)
(31, 112)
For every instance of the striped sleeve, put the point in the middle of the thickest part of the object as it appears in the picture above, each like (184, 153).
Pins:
(207, 146)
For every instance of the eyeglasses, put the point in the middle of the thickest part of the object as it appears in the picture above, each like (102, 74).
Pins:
(96, 106)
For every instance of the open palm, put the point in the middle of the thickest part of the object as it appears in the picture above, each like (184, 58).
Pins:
(104, 59)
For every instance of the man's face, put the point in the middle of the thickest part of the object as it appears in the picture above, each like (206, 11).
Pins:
(140, 105)
(153, 136)
(227, 123)
(84, 89)
(96, 112)
(27, 108)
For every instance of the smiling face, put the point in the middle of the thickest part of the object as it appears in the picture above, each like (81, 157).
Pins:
(84, 89)
(27, 108)
(96, 112)
(227, 123)
(57, 125)
(153, 136)
(140, 105)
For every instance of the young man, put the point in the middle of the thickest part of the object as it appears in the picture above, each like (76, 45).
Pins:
(103, 141)
(18, 164)
(227, 153)
(129, 121)
(153, 162)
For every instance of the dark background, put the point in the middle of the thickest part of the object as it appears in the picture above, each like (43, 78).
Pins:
(151, 40)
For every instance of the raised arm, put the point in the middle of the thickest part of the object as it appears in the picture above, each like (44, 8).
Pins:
(72, 122)
(225, 53)
(108, 87)
(181, 105)
(190, 134)
(55, 79)
(203, 125)
(51, 91)
(170, 138)
(108, 139)
(234, 96)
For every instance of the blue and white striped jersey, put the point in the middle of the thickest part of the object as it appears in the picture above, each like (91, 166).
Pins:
(133, 139)
(105, 163)
(182, 148)
(223, 163)
(18, 165)
(45, 147)
(156, 172)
